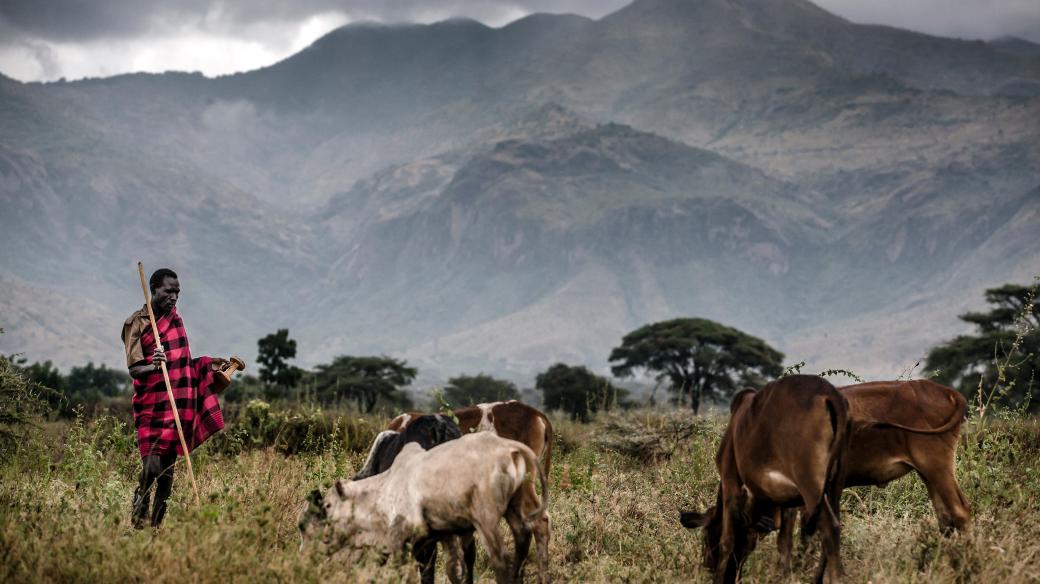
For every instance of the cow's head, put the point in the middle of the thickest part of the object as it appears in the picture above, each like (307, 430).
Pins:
(344, 521)
(745, 538)
(711, 522)
(313, 517)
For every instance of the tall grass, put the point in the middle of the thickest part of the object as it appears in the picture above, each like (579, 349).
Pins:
(65, 506)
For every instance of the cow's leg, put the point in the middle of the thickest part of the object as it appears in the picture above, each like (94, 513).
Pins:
(934, 458)
(521, 540)
(785, 538)
(454, 563)
(469, 555)
(425, 553)
(487, 532)
(830, 535)
(540, 527)
(951, 508)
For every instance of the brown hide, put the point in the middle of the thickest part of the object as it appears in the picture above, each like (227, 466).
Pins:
(898, 427)
(784, 447)
(511, 419)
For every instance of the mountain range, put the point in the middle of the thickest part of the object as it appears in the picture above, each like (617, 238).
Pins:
(497, 199)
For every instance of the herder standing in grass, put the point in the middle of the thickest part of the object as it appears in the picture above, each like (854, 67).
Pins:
(191, 381)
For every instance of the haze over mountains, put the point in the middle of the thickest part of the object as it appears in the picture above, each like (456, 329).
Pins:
(478, 199)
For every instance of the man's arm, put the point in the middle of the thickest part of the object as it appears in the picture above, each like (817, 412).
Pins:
(143, 369)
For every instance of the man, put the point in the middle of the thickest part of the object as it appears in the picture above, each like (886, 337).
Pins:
(190, 379)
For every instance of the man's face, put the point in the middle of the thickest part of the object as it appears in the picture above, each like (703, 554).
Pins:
(165, 297)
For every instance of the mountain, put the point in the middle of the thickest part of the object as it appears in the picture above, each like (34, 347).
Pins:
(497, 199)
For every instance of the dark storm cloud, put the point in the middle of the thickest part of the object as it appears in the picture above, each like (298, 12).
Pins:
(46, 39)
(90, 20)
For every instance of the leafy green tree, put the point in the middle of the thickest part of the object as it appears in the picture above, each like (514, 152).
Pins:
(47, 375)
(699, 358)
(366, 380)
(577, 391)
(273, 354)
(1003, 357)
(466, 390)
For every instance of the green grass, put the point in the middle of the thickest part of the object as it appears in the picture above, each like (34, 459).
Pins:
(65, 502)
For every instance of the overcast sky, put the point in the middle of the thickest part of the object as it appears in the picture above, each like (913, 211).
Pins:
(48, 39)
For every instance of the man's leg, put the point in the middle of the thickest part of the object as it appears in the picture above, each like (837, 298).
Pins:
(151, 468)
(163, 487)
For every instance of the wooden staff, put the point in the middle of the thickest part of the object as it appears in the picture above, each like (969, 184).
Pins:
(169, 388)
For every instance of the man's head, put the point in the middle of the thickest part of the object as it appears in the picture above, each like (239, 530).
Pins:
(166, 289)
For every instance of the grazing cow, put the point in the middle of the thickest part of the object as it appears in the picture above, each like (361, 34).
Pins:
(466, 484)
(427, 431)
(784, 447)
(899, 426)
(512, 420)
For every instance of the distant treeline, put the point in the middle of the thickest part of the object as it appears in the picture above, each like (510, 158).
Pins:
(694, 359)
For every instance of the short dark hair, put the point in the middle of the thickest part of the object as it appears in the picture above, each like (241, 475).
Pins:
(158, 276)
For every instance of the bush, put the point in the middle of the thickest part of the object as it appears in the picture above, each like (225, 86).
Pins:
(22, 403)
(292, 431)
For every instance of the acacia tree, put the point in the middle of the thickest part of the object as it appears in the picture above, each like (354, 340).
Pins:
(700, 358)
(1004, 355)
(273, 354)
(363, 379)
(577, 391)
(466, 390)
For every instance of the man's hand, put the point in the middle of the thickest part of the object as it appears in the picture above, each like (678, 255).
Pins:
(159, 356)
(217, 363)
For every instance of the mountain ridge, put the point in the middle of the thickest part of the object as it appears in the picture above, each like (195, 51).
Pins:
(445, 191)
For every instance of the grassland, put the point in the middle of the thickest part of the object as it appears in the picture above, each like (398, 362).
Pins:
(65, 502)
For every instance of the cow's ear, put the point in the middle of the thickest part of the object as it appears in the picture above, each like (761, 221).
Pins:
(340, 490)
(317, 501)
(315, 497)
(693, 519)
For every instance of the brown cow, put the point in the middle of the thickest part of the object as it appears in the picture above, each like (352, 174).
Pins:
(784, 447)
(510, 419)
(899, 426)
(515, 421)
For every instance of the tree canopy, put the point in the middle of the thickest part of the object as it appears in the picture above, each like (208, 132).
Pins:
(365, 380)
(700, 359)
(577, 391)
(85, 385)
(1003, 357)
(274, 352)
(466, 390)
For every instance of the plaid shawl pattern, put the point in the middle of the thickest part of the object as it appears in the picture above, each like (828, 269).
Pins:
(190, 379)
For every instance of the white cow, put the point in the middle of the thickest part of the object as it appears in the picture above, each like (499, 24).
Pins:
(466, 484)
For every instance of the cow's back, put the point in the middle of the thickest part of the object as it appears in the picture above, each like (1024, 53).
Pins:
(878, 453)
(793, 431)
(918, 404)
(512, 420)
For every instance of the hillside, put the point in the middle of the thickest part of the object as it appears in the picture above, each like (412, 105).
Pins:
(495, 199)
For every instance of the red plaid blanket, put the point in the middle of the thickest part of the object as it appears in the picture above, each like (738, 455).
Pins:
(190, 380)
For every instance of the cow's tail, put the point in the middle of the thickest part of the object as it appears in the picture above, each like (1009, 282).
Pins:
(838, 412)
(955, 420)
(531, 461)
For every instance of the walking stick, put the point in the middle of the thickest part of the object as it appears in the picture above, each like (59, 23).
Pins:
(169, 389)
